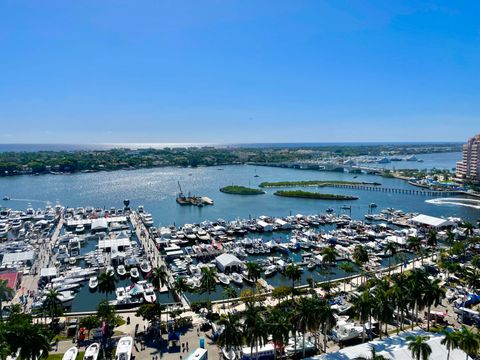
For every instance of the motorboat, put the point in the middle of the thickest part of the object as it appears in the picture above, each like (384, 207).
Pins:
(270, 270)
(93, 283)
(224, 279)
(134, 274)
(228, 354)
(236, 278)
(145, 267)
(16, 224)
(70, 354)
(124, 348)
(110, 270)
(291, 349)
(80, 229)
(311, 265)
(347, 331)
(72, 260)
(92, 351)
(149, 294)
(121, 271)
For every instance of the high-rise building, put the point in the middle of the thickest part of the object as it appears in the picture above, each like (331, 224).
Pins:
(469, 167)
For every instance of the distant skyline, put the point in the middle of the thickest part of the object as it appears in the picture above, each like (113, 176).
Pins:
(239, 71)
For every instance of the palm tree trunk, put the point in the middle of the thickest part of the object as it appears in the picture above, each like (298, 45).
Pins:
(303, 346)
(428, 318)
(325, 337)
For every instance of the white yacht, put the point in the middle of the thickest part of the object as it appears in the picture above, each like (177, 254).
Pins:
(149, 293)
(270, 270)
(70, 354)
(121, 271)
(124, 348)
(224, 279)
(236, 278)
(347, 331)
(80, 229)
(91, 353)
(93, 283)
(145, 267)
(134, 273)
(110, 270)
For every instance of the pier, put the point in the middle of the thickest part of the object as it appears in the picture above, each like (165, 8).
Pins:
(396, 190)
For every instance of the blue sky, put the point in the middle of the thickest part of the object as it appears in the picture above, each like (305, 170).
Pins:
(238, 71)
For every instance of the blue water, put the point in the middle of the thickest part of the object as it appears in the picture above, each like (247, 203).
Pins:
(156, 190)
(106, 146)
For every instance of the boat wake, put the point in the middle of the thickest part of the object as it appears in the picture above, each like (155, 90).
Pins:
(471, 203)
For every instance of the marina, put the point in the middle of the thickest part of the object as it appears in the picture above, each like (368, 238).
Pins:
(124, 243)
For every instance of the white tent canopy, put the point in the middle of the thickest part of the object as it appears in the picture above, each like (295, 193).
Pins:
(227, 262)
(431, 221)
(24, 256)
(395, 348)
(50, 272)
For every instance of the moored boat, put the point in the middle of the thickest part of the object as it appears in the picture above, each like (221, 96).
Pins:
(70, 354)
(134, 273)
(145, 267)
(121, 271)
(224, 279)
(91, 353)
(93, 283)
(124, 348)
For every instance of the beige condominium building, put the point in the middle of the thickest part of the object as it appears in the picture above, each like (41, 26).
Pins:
(469, 167)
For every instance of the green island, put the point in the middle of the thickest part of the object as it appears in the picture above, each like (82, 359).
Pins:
(313, 195)
(319, 183)
(241, 190)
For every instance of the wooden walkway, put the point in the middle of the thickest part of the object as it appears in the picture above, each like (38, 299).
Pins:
(395, 190)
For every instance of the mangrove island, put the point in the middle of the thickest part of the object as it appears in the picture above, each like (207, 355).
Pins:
(313, 195)
(241, 190)
(319, 183)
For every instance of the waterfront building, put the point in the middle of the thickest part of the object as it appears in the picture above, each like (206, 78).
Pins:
(469, 167)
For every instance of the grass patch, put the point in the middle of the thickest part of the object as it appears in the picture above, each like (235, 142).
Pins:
(319, 183)
(313, 195)
(60, 356)
(241, 190)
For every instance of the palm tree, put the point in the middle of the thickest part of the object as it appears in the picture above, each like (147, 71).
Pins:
(433, 295)
(106, 283)
(254, 328)
(391, 251)
(6, 293)
(303, 319)
(180, 286)
(159, 276)
(450, 236)
(472, 278)
(279, 326)
(294, 273)
(31, 340)
(253, 271)
(468, 341)
(348, 269)
(360, 255)
(400, 298)
(383, 307)
(414, 244)
(419, 347)
(468, 226)
(416, 285)
(451, 340)
(373, 355)
(232, 336)
(208, 281)
(329, 256)
(52, 304)
(327, 318)
(363, 305)
(432, 238)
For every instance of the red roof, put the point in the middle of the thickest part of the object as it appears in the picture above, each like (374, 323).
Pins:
(11, 277)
